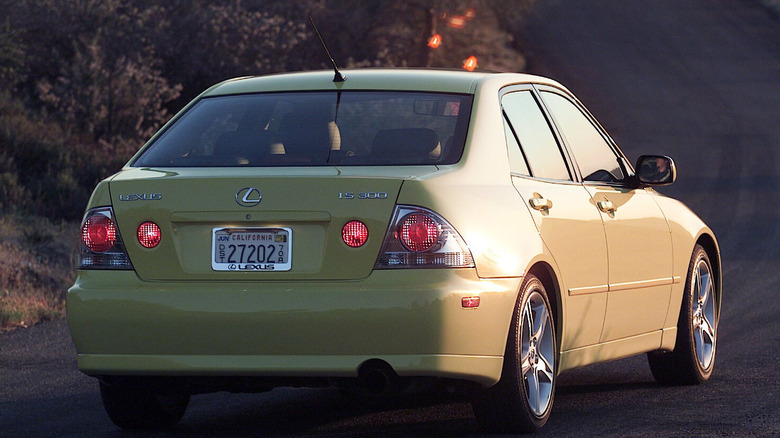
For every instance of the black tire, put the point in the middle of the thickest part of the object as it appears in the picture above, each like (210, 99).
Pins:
(133, 407)
(515, 404)
(693, 358)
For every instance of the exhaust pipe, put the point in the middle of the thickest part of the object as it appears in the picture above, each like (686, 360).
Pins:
(377, 376)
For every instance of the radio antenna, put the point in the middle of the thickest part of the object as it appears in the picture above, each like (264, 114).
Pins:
(338, 77)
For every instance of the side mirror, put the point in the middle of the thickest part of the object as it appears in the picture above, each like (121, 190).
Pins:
(655, 170)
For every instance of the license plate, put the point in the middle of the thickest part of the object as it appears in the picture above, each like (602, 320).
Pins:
(251, 249)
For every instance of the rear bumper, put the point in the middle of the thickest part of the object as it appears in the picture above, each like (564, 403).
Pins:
(412, 319)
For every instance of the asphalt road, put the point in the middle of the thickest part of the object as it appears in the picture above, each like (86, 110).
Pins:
(698, 80)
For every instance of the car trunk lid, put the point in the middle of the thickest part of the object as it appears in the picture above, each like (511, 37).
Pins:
(311, 204)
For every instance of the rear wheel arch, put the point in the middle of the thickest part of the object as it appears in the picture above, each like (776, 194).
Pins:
(545, 273)
(522, 400)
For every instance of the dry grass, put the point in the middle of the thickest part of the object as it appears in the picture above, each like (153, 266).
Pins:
(37, 265)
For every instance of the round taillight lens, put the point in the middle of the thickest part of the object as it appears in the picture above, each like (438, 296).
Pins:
(354, 234)
(149, 234)
(98, 233)
(419, 232)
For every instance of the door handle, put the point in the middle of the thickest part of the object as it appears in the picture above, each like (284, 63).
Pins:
(538, 202)
(607, 206)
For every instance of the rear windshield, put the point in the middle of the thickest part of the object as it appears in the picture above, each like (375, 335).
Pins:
(358, 128)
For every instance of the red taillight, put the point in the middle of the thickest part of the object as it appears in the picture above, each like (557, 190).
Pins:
(420, 238)
(102, 243)
(98, 233)
(419, 232)
(149, 234)
(354, 234)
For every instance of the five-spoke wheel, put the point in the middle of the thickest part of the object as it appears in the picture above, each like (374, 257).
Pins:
(694, 353)
(523, 398)
(537, 353)
(703, 314)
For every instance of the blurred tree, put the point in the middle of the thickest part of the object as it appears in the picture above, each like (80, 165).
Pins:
(106, 82)
(11, 56)
(395, 34)
(200, 42)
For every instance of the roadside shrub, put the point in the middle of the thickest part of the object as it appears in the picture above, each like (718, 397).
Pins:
(13, 195)
(36, 267)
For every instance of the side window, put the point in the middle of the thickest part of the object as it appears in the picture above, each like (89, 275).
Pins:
(536, 140)
(595, 158)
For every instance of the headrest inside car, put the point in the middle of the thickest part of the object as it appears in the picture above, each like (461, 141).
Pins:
(405, 142)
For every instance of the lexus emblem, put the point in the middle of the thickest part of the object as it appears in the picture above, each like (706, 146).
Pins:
(248, 197)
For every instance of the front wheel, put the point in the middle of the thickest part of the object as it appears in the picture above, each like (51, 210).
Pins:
(522, 399)
(693, 357)
(135, 407)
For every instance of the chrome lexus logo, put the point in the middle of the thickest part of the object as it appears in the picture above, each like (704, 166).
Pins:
(248, 197)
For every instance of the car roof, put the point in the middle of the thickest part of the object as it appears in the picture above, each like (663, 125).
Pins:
(432, 80)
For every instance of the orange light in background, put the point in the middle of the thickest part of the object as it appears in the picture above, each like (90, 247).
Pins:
(456, 21)
(434, 41)
(470, 13)
(470, 63)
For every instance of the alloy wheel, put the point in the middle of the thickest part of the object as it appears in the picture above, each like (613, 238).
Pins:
(537, 354)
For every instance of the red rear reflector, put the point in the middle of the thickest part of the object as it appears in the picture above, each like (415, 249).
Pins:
(354, 234)
(149, 234)
(469, 302)
(98, 233)
(419, 232)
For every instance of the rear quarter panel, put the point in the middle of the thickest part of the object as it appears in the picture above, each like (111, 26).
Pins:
(477, 196)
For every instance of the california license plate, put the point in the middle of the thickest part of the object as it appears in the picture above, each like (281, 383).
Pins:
(251, 249)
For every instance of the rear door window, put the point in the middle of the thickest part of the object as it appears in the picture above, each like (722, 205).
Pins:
(533, 133)
(315, 129)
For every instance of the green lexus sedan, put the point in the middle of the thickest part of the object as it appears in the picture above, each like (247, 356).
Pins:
(471, 230)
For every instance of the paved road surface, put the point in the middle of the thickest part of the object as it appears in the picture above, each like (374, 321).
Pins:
(696, 79)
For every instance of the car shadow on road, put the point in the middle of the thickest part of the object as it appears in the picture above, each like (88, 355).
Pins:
(320, 412)
(603, 388)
